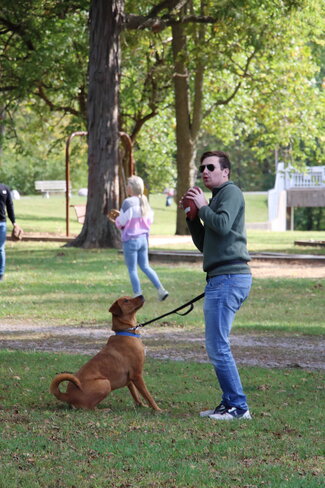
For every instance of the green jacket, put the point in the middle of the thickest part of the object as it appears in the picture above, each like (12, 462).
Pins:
(222, 237)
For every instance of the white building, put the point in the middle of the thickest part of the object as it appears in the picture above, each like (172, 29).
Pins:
(293, 189)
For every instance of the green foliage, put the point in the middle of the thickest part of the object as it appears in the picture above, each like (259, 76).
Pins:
(24, 160)
(279, 105)
(44, 47)
(155, 154)
(249, 172)
(273, 52)
(309, 218)
(38, 152)
(146, 78)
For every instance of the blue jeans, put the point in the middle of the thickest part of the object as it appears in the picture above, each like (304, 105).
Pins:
(224, 295)
(136, 253)
(3, 229)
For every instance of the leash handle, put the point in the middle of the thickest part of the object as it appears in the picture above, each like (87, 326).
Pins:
(187, 311)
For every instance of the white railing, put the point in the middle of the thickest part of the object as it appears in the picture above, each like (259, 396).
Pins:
(311, 179)
(289, 177)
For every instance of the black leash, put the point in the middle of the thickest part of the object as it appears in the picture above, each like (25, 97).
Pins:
(190, 304)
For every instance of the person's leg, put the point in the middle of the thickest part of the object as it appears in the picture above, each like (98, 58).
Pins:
(130, 251)
(3, 229)
(143, 262)
(223, 297)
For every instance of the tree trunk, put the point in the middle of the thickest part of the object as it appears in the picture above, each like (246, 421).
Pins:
(103, 137)
(187, 127)
(184, 141)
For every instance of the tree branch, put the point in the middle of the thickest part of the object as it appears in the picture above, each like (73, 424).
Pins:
(8, 88)
(58, 108)
(167, 4)
(157, 24)
(17, 29)
(140, 122)
(236, 89)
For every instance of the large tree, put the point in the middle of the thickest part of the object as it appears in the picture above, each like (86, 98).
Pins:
(103, 131)
(221, 53)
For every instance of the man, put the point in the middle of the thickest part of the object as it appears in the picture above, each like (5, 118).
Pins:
(219, 232)
(5, 204)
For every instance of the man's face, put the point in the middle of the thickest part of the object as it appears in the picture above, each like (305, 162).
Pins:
(215, 178)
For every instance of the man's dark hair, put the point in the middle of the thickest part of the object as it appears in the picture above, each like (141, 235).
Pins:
(224, 160)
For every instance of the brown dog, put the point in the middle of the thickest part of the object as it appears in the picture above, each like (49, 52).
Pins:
(119, 363)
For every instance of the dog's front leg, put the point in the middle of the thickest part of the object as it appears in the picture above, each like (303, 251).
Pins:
(135, 395)
(140, 384)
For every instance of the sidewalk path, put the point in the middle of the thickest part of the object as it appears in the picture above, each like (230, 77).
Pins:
(165, 342)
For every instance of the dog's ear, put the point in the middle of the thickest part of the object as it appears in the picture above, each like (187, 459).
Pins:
(115, 309)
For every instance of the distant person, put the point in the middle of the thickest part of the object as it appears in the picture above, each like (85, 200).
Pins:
(170, 195)
(134, 220)
(6, 207)
(218, 232)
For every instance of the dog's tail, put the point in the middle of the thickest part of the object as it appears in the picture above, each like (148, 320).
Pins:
(54, 388)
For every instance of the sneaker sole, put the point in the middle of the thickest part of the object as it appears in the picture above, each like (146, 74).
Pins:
(227, 417)
(163, 298)
(206, 413)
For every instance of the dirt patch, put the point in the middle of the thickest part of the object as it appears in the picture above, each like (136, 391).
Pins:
(183, 344)
(165, 342)
(270, 269)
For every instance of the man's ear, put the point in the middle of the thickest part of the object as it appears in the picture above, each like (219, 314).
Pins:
(115, 309)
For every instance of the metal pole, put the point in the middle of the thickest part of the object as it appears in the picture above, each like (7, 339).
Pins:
(67, 176)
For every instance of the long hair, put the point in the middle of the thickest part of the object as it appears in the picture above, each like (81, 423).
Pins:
(137, 187)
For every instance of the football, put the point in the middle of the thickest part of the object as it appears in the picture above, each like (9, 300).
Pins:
(190, 208)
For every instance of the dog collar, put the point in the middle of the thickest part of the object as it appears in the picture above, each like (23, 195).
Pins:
(126, 333)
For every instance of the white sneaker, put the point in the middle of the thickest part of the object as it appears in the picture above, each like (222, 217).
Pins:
(219, 409)
(232, 413)
(162, 294)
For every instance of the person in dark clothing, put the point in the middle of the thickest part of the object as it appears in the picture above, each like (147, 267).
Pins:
(6, 207)
(218, 232)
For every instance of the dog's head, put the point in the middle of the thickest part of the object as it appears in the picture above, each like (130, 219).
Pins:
(124, 310)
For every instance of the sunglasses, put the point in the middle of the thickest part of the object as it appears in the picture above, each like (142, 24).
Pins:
(210, 167)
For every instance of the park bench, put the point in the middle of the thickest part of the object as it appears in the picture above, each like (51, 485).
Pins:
(80, 212)
(51, 186)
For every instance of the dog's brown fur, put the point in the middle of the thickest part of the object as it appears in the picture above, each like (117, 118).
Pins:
(119, 363)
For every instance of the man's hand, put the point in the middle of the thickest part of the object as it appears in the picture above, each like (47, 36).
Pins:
(197, 195)
(17, 232)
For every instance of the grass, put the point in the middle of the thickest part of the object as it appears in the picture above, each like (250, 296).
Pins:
(44, 444)
(256, 207)
(38, 214)
(53, 284)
